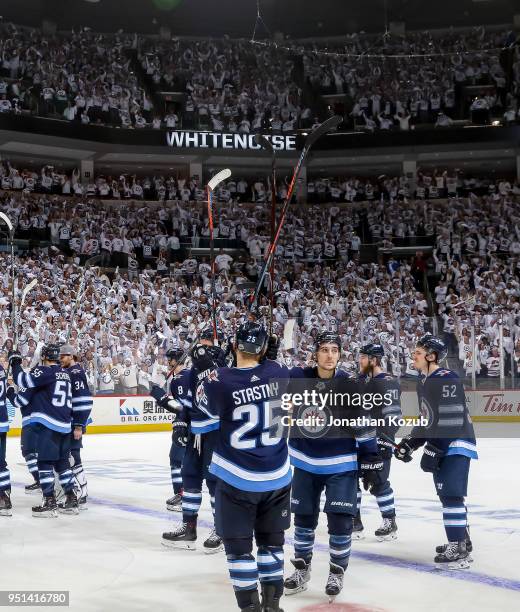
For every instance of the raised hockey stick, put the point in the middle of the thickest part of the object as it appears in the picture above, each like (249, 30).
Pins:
(267, 145)
(23, 297)
(10, 227)
(321, 130)
(81, 290)
(212, 184)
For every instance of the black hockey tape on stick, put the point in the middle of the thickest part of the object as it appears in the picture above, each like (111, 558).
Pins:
(387, 439)
(320, 131)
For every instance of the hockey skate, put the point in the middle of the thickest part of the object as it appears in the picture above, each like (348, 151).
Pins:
(174, 504)
(5, 504)
(270, 603)
(213, 544)
(455, 556)
(69, 504)
(469, 546)
(297, 581)
(387, 531)
(47, 509)
(334, 581)
(183, 538)
(82, 503)
(33, 488)
(357, 528)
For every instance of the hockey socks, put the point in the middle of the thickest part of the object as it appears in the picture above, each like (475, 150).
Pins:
(303, 543)
(243, 572)
(5, 481)
(191, 501)
(385, 501)
(339, 547)
(32, 465)
(455, 518)
(270, 565)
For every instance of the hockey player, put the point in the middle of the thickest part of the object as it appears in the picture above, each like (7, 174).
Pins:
(450, 446)
(252, 469)
(329, 464)
(48, 389)
(81, 409)
(5, 482)
(28, 443)
(179, 387)
(379, 382)
(199, 448)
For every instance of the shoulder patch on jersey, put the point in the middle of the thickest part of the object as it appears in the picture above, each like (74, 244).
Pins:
(36, 372)
(213, 376)
(200, 396)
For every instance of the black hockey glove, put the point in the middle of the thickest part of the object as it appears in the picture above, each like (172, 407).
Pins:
(10, 394)
(180, 434)
(405, 448)
(273, 344)
(385, 447)
(218, 356)
(159, 395)
(208, 357)
(431, 459)
(164, 400)
(15, 358)
(371, 467)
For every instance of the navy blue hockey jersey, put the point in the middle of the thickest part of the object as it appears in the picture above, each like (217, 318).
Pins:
(48, 391)
(331, 455)
(200, 421)
(180, 389)
(385, 384)
(242, 402)
(442, 401)
(4, 417)
(81, 397)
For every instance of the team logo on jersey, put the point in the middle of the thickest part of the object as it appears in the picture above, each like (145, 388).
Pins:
(315, 421)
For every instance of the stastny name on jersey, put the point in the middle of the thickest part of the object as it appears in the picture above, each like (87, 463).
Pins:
(256, 393)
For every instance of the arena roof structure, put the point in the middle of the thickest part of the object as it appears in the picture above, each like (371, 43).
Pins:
(236, 18)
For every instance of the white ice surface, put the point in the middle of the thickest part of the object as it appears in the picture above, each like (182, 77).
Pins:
(110, 557)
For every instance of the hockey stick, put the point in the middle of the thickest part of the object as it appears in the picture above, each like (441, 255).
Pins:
(79, 294)
(187, 352)
(10, 227)
(322, 129)
(388, 439)
(25, 291)
(267, 145)
(212, 183)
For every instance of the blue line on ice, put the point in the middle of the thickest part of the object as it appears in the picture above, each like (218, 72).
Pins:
(395, 562)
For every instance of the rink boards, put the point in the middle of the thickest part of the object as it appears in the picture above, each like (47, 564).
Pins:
(113, 414)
